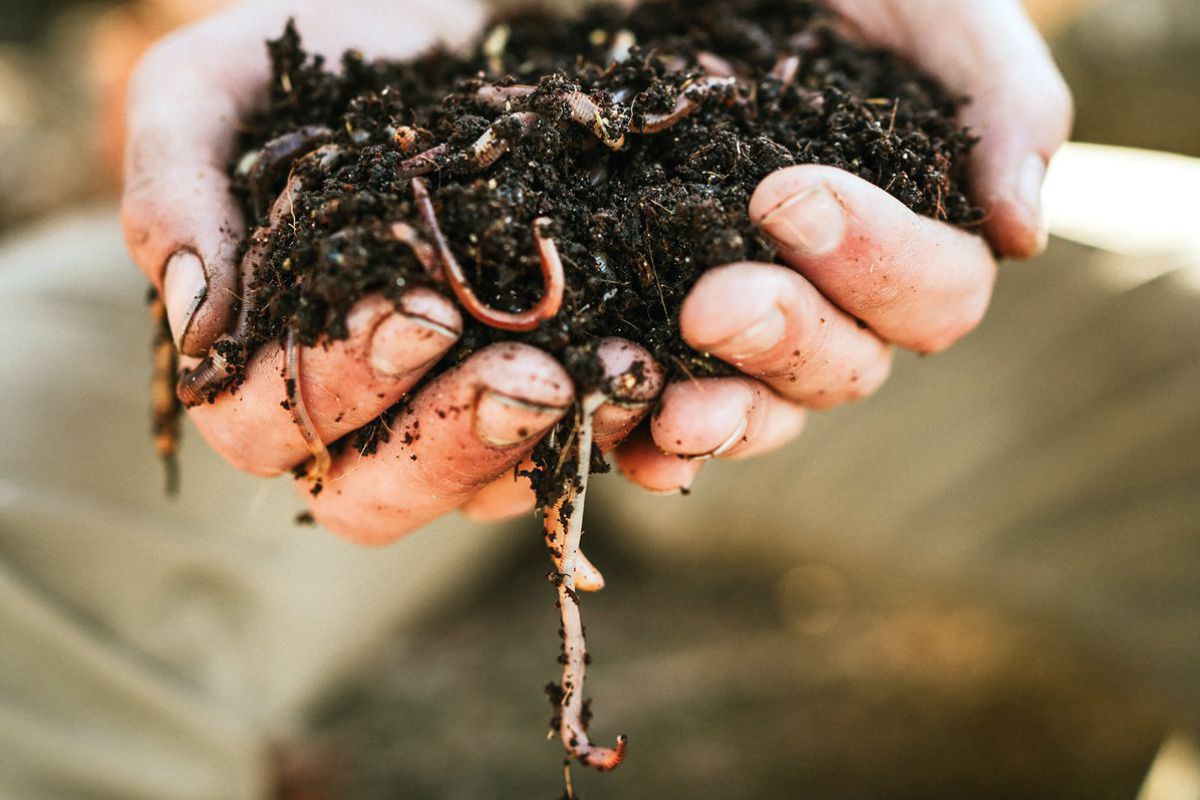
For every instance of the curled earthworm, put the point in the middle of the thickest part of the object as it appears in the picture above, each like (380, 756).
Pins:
(562, 538)
(295, 398)
(553, 279)
(214, 372)
(278, 154)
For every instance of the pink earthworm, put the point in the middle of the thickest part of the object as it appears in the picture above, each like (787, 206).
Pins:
(562, 538)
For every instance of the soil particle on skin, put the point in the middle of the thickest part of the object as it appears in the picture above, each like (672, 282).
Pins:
(635, 225)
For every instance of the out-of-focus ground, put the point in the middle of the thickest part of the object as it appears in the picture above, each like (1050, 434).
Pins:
(737, 674)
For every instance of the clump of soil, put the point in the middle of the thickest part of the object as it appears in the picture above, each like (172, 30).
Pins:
(635, 225)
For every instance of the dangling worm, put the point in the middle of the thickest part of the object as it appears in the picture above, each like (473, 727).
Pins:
(566, 556)
(295, 398)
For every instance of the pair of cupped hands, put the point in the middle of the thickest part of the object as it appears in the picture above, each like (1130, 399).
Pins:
(849, 251)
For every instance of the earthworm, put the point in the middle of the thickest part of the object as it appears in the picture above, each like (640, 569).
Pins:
(553, 279)
(295, 398)
(278, 154)
(164, 403)
(210, 375)
(569, 715)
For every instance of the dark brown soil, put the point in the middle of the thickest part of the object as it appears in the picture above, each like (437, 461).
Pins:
(635, 226)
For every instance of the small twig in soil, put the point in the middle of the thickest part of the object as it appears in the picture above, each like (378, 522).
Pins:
(553, 278)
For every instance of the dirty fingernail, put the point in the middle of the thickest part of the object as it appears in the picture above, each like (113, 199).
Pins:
(810, 223)
(732, 441)
(757, 339)
(403, 343)
(502, 420)
(184, 288)
(1029, 193)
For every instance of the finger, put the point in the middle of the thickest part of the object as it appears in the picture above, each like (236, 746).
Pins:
(463, 430)
(918, 283)
(636, 381)
(1020, 105)
(723, 418)
(508, 496)
(641, 461)
(344, 385)
(773, 325)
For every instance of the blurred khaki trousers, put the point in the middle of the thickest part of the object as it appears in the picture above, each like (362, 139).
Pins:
(154, 648)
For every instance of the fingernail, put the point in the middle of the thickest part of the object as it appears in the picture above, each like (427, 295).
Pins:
(730, 442)
(810, 223)
(403, 343)
(184, 288)
(1029, 193)
(758, 339)
(502, 420)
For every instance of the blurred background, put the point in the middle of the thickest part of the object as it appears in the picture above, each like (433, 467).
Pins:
(984, 583)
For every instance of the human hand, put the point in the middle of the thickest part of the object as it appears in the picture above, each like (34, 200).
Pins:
(853, 253)
(479, 419)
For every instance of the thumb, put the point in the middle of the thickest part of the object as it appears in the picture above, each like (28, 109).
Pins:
(1020, 106)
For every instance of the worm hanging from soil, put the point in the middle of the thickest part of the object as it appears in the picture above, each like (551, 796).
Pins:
(279, 153)
(295, 397)
(214, 372)
(562, 539)
(553, 278)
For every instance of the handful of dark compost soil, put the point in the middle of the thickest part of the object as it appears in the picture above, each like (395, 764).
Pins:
(567, 179)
